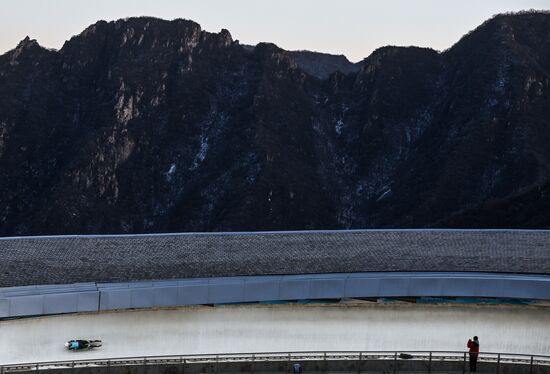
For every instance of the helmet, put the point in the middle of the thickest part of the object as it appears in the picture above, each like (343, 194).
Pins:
(67, 344)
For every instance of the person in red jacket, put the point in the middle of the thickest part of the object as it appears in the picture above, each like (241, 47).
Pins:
(473, 345)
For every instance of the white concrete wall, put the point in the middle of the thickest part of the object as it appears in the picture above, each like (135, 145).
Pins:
(251, 328)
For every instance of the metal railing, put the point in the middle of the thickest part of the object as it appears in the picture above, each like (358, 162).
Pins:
(361, 359)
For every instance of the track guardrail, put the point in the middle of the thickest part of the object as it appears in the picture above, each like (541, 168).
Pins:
(428, 360)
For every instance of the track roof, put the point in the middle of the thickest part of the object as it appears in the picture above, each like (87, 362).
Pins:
(121, 258)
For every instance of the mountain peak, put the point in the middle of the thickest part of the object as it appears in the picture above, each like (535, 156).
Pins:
(226, 37)
(27, 46)
(27, 43)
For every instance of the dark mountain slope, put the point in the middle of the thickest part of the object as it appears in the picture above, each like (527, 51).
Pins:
(145, 125)
(526, 211)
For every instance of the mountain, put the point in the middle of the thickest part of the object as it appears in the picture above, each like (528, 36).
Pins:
(146, 125)
(322, 65)
(318, 64)
(524, 211)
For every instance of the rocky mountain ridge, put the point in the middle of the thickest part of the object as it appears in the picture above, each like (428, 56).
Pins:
(145, 125)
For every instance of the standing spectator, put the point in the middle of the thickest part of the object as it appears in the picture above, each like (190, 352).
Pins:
(297, 368)
(474, 352)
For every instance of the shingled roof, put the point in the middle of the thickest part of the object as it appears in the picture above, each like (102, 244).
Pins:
(112, 258)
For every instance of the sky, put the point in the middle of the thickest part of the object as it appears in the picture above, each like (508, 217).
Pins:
(353, 28)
